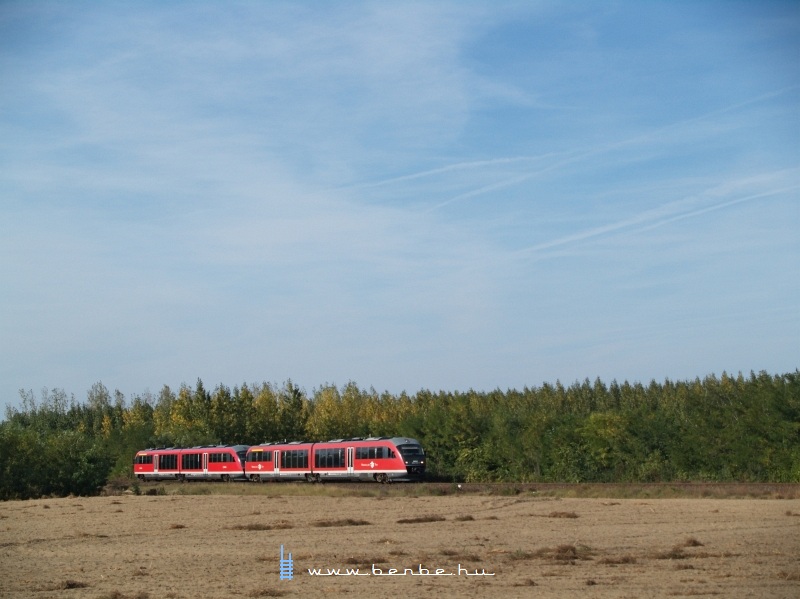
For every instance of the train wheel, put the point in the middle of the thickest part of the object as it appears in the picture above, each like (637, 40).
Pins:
(226, 478)
(382, 478)
(141, 477)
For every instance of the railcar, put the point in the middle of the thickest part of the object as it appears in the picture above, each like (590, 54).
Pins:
(382, 459)
(210, 462)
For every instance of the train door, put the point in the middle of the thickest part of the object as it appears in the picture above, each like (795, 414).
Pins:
(155, 464)
(276, 464)
(205, 465)
(350, 452)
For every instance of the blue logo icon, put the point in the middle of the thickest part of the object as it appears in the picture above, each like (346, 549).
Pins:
(287, 566)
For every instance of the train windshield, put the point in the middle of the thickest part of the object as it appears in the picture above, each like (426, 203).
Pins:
(411, 451)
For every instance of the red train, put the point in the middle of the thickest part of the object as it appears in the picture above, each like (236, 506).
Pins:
(211, 462)
(381, 459)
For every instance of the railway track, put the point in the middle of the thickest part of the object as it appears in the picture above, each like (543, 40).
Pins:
(661, 489)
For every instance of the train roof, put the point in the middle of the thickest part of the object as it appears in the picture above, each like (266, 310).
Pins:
(393, 440)
(234, 447)
(238, 448)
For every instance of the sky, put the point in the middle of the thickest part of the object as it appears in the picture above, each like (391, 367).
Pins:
(415, 195)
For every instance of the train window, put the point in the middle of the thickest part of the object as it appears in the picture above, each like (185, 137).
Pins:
(168, 462)
(371, 453)
(329, 458)
(294, 458)
(259, 456)
(144, 459)
(411, 451)
(190, 461)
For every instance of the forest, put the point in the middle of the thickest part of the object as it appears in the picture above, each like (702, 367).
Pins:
(726, 428)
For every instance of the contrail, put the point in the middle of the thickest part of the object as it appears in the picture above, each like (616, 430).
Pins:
(576, 155)
(720, 206)
(459, 166)
(651, 219)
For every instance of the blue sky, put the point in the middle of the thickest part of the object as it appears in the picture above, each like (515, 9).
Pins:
(406, 195)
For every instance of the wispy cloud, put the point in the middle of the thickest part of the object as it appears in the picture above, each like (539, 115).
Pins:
(407, 195)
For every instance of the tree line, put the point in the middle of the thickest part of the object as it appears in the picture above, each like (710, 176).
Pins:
(727, 428)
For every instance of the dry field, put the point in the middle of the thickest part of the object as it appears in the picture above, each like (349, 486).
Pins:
(228, 546)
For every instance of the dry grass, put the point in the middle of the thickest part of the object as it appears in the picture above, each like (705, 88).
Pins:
(708, 554)
(463, 556)
(88, 535)
(268, 592)
(342, 522)
(562, 515)
(565, 553)
(640, 548)
(421, 519)
(466, 518)
(674, 553)
(520, 555)
(71, 584)
(262, 526)
(177, 526)
(619, 560)
(364, 561)
(568, 553)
